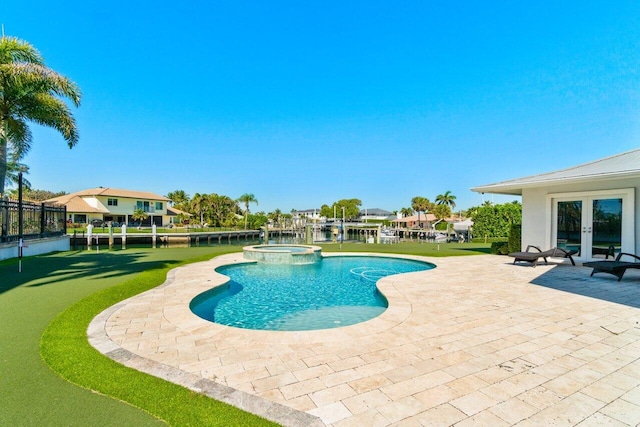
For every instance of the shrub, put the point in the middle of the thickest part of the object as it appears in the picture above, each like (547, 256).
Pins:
(515, 238)
(488, 239)
(500, 248)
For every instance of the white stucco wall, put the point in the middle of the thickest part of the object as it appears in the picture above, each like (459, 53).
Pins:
(533, 218)
(536, 215)
(35, 247)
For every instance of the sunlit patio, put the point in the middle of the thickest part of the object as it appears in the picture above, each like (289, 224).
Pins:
(476, 341)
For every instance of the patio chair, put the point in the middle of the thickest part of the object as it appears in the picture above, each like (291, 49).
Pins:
(616, 267)
(533, 257)
(607, 252)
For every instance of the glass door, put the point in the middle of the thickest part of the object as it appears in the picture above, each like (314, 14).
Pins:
(569, 225)
(606, 220)
(595, 226)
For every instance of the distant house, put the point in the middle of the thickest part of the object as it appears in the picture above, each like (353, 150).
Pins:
(309, 214)
(591, 208)
(425, 221)
(376, 214)
(115, 205)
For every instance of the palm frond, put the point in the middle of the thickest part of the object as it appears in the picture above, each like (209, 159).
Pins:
(14, 50)
(24, 77)
(29, 91)
(19, 137)
(52, 112)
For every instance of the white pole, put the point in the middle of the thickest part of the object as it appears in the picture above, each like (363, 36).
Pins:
(20, 243)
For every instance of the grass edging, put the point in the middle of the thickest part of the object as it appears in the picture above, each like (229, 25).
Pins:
(64, 347)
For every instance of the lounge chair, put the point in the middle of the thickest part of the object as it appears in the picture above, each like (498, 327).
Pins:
(616, 267)
(533, 257)
(607, 252)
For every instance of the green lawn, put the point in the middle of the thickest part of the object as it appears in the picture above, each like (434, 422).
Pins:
(71, 288)
(413, 248)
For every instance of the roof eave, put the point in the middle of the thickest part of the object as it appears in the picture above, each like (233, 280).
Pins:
(515, 188)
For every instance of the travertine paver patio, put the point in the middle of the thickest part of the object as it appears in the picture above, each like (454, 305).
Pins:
(476, 341)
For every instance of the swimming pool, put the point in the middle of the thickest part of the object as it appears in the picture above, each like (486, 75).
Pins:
(337, 291)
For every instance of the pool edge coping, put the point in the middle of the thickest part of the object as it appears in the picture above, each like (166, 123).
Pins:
(272, 411)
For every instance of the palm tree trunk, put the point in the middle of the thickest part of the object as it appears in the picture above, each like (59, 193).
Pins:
(246, 214)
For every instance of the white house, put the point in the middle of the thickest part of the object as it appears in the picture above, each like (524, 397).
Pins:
(113, 204)
(309, 214)
(376, 214)
(592, 207)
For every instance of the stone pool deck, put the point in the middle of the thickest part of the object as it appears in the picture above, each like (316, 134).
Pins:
(476, 341)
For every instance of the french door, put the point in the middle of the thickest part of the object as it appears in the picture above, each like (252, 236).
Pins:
(596, 225)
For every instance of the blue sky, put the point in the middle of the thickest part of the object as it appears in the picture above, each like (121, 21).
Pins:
(306, 103)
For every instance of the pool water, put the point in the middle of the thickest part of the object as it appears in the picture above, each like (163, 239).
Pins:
(337, 291)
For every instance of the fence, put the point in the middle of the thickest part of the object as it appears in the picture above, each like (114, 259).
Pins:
(29, 220)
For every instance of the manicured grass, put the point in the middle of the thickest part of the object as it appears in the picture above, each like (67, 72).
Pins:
(414, 248)
(65, 349)
(31, 394)
(70, 289)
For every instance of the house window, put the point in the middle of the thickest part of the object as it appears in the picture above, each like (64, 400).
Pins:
(112, 202)
(143, 205)
(158, 206)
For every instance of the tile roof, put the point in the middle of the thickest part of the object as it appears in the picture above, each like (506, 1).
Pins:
(109, 192)
(76, 204)
(171, 211)
(118, 192)
(428, 217)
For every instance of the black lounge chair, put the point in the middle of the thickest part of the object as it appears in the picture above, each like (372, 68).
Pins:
(607, 252)
(616, 267)
(533, 257)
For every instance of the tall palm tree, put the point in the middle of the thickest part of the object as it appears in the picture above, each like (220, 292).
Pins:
(446, 199)
(247, 198)
(29, 91)
(420, 204)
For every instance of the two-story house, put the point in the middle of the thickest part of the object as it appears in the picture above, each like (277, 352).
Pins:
(116, 205)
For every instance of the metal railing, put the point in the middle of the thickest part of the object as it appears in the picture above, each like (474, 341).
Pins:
(28, 220)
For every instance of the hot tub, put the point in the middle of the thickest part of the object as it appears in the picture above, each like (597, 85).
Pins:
(283, 254)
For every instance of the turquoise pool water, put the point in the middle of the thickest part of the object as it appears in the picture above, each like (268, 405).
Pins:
(335, 292)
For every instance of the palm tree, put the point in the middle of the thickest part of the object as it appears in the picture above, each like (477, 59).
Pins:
(442, 211)
(275, 217)
(31, 92)
(222, 207)
(247, 198)
(179, 199)
(405, 212)
(420, 204)
(198, 205)
(446, 199)
(139, 215)
(13, 169)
